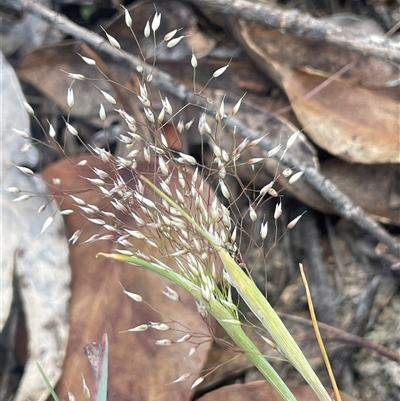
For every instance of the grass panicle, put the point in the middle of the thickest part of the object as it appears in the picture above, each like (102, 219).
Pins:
(174, 211)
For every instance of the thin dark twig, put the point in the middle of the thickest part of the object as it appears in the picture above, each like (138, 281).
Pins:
(334, 334)
(165, 82)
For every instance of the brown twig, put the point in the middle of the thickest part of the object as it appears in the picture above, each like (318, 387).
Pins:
(305, 26)
(358, 324)
(317, 275)
(331, 333)
(165, 82)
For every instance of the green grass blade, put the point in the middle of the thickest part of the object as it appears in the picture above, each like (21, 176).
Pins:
(264, 312)
(256, 301)
(48, 384)
(103, 379)
(224, 317)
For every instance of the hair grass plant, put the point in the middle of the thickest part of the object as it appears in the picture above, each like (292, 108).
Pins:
(175, 213)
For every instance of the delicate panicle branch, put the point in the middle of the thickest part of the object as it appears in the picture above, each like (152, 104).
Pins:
(224, 317)
(254, 299)
(342, 204)
(168, 210)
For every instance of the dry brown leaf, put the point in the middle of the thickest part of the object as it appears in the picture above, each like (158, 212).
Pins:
(46, 68)
(270, 46)
(353, 123)
(354, 118)
(138, 369)
(262, 391)
(375, 188)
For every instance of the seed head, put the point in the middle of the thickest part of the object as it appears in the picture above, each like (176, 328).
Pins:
(236, 107)
(193, 61)
(108, 97)
(278, 211)
(170, 35)
(171, 294)
(146, 31)
(164, 342)
(189, 124)
(166, 189)
(197, 382)
(167, 106)
(102, 113)
(22, 198)
(28, 109)
(42, 208)
(224, 189)
(174, 42)
(295, 177)
(183, 377)
(71, 129)
(287, 172)
(52, 132)
(159, 326)
(86, 391)
(274, 151)
(220, 71)
(156, 22)
(149, 114)
(47, 224)
(13, 190)
(293, 223)
(266, 188)
(88, 60)
(264, 230)
(184, 338)
(79, 77)
(142, 327)
(22, 134)
(292, 139)
(221, 111)
(70, 97)
(128, 19)
(180, 126)
(234, 234)
(75, 236)
(252, 213)
(163, 166)
(160, 118)
(25, 170)
(114, 42)
(190, 159)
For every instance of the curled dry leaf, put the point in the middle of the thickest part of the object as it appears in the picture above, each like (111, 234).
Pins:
(354, 117)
